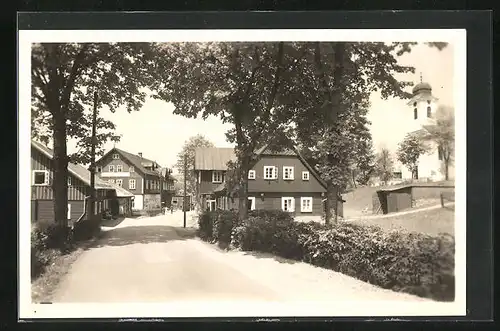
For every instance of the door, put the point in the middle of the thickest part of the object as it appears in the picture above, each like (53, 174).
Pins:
(211, 205)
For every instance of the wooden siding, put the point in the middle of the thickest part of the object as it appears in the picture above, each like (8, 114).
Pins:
(76, 191)
(43, 210)
(206, 185)
(108, 160)
(259, 184)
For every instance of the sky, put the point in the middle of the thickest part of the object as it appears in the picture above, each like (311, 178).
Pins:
(159, 135)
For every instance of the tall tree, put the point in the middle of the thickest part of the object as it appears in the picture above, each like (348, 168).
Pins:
(237, 82)
(384, 165)
(409, 152)
(443, 136)
(64, 77)
(188, 151)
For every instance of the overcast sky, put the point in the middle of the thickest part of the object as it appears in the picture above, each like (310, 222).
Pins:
(159, 134)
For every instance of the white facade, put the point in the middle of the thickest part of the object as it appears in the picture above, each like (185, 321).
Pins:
(138, 203)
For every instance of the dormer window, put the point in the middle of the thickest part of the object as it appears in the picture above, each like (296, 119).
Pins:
(116, 156)
(415, 113)
(217, 177)
(429, 111)
(119, 168)
(111, 168)
(251, 174)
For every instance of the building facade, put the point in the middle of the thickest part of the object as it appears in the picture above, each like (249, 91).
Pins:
(141, 176)
(42, 193)
(278, 180)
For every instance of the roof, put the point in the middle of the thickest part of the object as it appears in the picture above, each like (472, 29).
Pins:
(120, 191)
(421, 87)
(395, 188)
(75, 169)
(213, 158)
(137, 161)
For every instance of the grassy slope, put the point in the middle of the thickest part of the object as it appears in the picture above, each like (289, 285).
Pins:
(432, 221)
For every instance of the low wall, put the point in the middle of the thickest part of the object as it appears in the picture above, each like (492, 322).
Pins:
(431, 191)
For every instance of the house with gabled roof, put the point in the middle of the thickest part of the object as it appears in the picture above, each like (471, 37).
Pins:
(139, 175)
(279, 179)
(79, 189)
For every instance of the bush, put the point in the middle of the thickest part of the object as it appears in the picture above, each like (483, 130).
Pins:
(86, 229)
(415, 263)
(43, 243)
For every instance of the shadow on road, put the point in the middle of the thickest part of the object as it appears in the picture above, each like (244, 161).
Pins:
(261, 255)
(112, 223)
(142, 235)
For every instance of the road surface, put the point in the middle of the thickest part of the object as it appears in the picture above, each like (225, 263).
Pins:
(155, 260)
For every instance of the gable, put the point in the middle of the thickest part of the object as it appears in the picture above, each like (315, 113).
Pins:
(135, 160)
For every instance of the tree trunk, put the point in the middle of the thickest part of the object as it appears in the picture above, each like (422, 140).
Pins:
(60, 187)
(243, 194)
(446, 170)
(331, 203)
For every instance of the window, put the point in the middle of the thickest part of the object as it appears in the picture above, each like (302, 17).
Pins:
(40, 177)
(131, 184)
(111, 168)
(69, 211)
(287, 204)
(306, 205)
(415, 104)
(119, 182)
(397, 174)
(270, 172)
(131, 169)
(288, 173)
(147, 184)
(429, 111)
(217, 177)
(112, 181)
(116, 156)
(99, 169)
(305, 175)
(69, 181)
(415, 113)
(251, 174)
(251, 203)
(119, 168)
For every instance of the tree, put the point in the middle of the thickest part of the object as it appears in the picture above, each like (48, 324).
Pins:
(384, 165)
(237, 82)
(188, 151)
(409, 151)
(443, 135)
(64, 77)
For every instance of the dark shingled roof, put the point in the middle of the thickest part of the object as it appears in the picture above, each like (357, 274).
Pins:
(75, 169)
(137, 161)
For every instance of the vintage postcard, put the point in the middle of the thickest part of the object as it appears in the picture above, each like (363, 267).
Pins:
(242, 173)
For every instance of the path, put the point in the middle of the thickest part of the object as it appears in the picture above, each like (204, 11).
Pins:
(149, 260)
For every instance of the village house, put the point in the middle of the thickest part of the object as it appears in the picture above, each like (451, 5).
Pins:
(42, 194)
(278, 180)
(138, 175)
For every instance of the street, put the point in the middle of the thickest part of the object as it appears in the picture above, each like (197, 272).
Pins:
(154, 259)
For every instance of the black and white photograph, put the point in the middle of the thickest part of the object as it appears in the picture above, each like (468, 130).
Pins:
(236, 173)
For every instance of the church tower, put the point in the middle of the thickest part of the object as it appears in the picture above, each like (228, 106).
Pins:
(423, 105)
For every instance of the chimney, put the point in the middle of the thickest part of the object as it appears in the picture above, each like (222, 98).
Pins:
(140, 154)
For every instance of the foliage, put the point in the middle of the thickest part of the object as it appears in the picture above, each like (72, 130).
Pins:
(188, 151)
(384, 165)
(64, 79)
(443, 135)
(410, 150)
(409, 262)
(42, 247)
(216, 226)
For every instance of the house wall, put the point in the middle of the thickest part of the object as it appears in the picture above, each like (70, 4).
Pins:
(43, 210)
(206, 185)
(272, 201)
(259, 184)
(125, 175)
(151, 201)
(76, 191)
(138, 203)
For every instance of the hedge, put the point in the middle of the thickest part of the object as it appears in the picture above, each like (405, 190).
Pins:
(402, 261)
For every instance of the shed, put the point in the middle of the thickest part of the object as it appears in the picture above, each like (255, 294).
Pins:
(390, 200)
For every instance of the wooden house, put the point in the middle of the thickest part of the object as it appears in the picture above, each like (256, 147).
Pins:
(277, 180)
(42, 194)
(138, 175)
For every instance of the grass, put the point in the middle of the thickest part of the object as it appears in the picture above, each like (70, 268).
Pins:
(44, 286)
(434, 221)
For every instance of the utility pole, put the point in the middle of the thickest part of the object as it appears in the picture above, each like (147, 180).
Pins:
(185, 184)
(91, 213)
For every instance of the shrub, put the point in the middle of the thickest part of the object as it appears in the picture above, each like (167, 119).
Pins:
(205, 226)
(43, 242)
(86, 229)
(223, 223)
